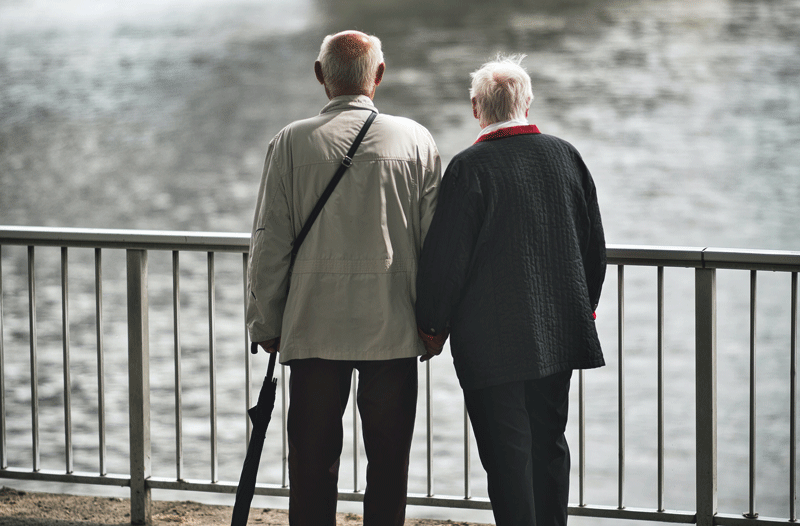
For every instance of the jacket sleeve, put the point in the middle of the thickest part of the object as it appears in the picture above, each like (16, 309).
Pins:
(447, 252)
(270, 250)
(432, 176)
(594, 258)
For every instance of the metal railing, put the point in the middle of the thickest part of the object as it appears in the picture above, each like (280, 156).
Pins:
(141, 480)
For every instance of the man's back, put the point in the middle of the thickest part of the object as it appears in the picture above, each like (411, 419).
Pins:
(352, 286)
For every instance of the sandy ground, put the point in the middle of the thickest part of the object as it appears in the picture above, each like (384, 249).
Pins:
(27, 508)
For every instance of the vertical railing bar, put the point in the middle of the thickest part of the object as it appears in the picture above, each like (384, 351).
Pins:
(355, 431)
(621, 373)
(581, 439)
(284, 433)
(248, 396)
(33, 357)
(3, 457)
(176, 332)
(660, 388)
(751, 514)
(793, 405)
(212, 363)
(429, 430)
(706, 395)
(467, 463)
(101, 384)
(65, 343)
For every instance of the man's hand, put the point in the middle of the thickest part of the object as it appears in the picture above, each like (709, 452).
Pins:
(433, 344)
(271, 346)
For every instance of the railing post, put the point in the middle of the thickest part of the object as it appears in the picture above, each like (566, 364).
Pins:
(139, 385)
(34, 358)
(706, 394)
(621, 384)
(3, 455)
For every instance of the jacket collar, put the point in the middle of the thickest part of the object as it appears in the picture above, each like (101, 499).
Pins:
(508, 132)
(349, 102)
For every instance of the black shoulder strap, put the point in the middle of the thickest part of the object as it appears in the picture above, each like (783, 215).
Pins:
(346, 162)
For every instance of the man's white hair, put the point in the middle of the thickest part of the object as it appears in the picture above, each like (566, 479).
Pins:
(341, 72)
(502, 89)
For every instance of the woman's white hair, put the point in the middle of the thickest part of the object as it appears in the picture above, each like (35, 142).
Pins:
(502, 89)
(343, 72)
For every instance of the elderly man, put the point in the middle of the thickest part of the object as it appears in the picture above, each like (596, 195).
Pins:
(512, 268)
(348, 302)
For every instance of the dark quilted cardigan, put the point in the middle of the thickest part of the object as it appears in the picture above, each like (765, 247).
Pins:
(514, 261)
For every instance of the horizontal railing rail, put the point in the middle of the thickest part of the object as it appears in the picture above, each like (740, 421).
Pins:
(137, 245)
(687, 257)
(124, 239)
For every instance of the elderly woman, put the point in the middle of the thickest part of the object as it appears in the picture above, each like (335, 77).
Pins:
(512, 269)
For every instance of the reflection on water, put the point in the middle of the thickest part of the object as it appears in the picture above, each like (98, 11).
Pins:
(157, 114)
(687, 113)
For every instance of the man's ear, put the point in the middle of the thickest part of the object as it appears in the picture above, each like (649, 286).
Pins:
(318, 72)
(475, 108)
(379, 73)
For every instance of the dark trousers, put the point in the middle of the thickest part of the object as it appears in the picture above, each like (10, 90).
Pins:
(387, 402)
(519, 429)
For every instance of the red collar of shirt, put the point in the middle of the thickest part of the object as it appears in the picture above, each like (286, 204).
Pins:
(508, 132)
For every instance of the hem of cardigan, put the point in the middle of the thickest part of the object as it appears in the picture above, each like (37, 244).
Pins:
(532, 375)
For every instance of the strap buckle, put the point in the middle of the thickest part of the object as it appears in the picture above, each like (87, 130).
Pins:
(347, 161)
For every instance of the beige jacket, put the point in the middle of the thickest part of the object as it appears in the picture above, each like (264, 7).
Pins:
(352, 289)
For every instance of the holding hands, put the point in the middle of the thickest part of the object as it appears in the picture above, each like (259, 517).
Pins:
(433, 344)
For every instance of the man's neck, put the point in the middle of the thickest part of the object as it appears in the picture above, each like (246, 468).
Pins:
(350, 93)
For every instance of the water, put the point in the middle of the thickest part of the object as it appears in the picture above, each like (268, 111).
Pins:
(156, 116)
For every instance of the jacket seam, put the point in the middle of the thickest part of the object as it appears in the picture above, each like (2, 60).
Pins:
(338, 160)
